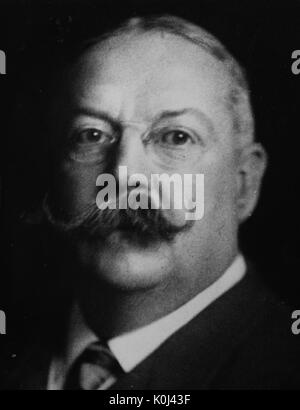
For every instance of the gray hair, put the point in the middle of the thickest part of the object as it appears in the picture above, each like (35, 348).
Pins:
(239, 95)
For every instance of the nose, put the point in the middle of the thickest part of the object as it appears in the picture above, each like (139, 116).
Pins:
(132, 153)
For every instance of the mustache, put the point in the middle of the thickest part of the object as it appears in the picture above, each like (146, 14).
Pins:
(142, 225)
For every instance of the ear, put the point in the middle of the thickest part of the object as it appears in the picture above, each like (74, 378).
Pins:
(251, 168)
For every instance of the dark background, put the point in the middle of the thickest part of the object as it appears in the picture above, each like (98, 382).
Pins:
(35, 35)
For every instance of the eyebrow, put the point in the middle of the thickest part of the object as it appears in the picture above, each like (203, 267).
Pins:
(164, 115)
(99, 114)
(190, 110)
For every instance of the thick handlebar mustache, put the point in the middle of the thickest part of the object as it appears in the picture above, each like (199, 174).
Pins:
(148, 224)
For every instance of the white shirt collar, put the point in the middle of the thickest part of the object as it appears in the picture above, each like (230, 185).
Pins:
(133, 347)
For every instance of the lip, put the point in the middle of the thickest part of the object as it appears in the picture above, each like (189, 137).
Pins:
(131, 239)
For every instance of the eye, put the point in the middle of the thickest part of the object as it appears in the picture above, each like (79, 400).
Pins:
(176, 138)
(90, 144)
(93, 136)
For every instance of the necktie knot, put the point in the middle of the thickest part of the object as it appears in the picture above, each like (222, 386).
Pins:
(95, 369)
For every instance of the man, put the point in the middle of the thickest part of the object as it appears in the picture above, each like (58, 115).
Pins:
(159, 302)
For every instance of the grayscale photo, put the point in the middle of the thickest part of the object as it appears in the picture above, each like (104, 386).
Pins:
(149, 197)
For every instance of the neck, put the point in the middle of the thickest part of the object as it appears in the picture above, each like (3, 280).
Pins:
(110, 312)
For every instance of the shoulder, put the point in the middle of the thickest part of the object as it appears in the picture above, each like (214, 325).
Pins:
(267, 353)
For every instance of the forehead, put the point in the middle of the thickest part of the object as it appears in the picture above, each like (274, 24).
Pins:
(135, 76)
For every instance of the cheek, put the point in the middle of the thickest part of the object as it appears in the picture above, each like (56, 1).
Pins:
(218, 168)
(220, 192)
(208, 189)
(78, 186)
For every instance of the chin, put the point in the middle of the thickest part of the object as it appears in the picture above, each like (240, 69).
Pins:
(126, 264)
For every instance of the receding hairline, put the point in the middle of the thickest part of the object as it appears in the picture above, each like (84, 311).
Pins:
(238, 100)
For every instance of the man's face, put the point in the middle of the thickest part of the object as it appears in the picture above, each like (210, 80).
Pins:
(123, 91)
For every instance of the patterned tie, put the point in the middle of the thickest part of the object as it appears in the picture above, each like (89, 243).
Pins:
(95, 369)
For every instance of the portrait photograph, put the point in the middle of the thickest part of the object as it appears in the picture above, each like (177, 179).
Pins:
(149, 197)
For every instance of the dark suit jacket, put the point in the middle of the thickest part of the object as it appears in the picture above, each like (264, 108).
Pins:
(241, 341)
